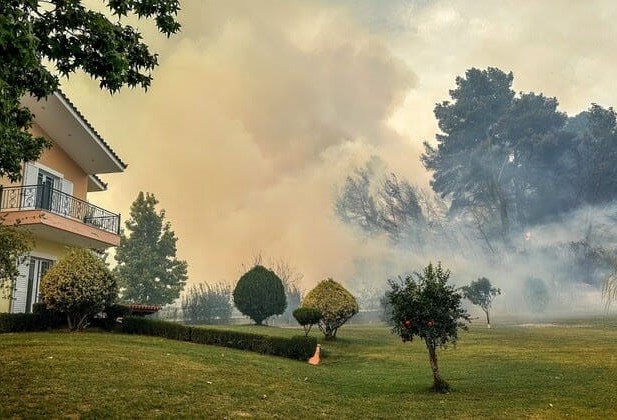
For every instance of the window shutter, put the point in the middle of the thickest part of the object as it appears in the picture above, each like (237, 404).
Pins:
(67, 187)
(31, 173)
(21, 288)
(66, 199)
(29, 192)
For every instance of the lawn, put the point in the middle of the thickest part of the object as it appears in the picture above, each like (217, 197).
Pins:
(566, 369)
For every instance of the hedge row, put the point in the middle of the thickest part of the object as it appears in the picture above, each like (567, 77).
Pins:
(42, 319)
(23, 322)
(297, 347)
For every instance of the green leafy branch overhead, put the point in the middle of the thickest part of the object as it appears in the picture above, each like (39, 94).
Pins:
(43, 40)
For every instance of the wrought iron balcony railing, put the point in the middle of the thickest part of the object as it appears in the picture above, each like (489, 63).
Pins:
(43, 197)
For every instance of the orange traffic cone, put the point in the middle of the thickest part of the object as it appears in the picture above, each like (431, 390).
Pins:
(315, 359)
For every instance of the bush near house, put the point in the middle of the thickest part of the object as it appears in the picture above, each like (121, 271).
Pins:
(79, 285)
(297, 348)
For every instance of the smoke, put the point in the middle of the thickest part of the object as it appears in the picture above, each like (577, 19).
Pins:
(259, 110)
(555, 268)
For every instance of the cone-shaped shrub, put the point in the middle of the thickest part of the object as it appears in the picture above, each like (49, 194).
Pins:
(260, 294)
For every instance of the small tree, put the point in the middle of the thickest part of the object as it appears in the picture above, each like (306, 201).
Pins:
(481, 292)
(334, 302)
(15, 243)
(307, 317)
(429, 308)
(206, 304)
(260, 294)
(79, 285)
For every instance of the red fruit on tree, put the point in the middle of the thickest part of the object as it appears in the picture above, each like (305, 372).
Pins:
(430, 324)
(407, 323)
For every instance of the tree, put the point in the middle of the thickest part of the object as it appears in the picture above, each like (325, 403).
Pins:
(481, 292)
(427, 307)
(355, 204)
(148, 270)
(462, 167)
(259, 294)
(390, 205)
(307, 317)
(290, 277)
(335, 303)
(596, 151)
(79, 285)
(489, 154)
(41, 40)
(206, 304)
(15, 243)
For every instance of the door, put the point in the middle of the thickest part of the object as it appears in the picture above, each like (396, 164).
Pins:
(45, 190)
(38, 268)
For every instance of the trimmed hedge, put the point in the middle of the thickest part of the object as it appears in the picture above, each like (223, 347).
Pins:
(156, 328)
(107, 320)
(51, 319)
(22, 323)
(297, 347)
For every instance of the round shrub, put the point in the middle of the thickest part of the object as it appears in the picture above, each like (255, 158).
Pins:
(334, 302)
(260, 294)
(79, 285)
(307, 317)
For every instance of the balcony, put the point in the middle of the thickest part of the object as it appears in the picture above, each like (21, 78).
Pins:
(60, 217)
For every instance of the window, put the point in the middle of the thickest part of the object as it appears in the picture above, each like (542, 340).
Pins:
(45, 188)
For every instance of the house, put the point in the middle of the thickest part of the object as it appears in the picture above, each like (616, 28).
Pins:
(51, 200)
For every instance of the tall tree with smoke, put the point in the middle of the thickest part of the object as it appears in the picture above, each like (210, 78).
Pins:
(596, 144)
(488, 145)
(148, 270)
(390, 205)
(43, 40)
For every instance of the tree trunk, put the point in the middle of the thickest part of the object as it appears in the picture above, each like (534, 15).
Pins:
(488, 319)
(503, 209)
(439, 385)
(503, 214)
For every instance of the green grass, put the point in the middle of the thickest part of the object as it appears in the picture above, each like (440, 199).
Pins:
(567, 370)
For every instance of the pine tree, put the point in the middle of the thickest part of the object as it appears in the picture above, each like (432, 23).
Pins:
(148, 270)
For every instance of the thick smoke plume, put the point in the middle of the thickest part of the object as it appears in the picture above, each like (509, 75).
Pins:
(259, 111)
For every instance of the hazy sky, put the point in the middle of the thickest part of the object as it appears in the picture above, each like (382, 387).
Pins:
(260, 109)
